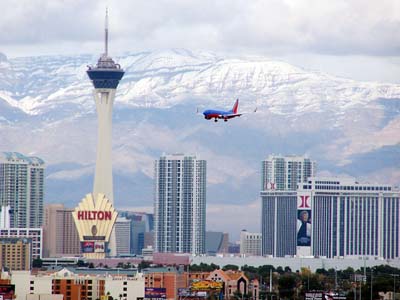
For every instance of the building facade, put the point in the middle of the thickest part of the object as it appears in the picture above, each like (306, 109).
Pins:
(79, 284)
(141, 224)
(15, 253)
(180, 204)
(21, 189)
(60, 237)
(34, 235)
(168, 278)
(285, 172)
(250, 243)
(332, 217)
(123, 235)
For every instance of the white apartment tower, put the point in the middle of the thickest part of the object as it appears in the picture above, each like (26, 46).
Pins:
(285, 172)
(180, 204)
(21, 190)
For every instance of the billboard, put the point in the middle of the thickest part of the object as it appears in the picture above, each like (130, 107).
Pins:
(205, 285)
(187, 293)
(155, 293)
(94, 219)
(321, 295)
(304, 228)
(304, 224)
(87, 247)
(7, 291)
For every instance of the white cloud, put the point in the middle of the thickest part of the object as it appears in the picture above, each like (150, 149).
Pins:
(273, 26)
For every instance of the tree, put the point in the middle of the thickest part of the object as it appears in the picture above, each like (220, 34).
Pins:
(37, 262)
(81, 263)
(202, 267)
(143, 265)
(287, 284)
(230, 267)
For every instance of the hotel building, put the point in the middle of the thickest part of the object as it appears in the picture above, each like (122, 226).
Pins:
(34, 235)
(332, 217)
(15, 253)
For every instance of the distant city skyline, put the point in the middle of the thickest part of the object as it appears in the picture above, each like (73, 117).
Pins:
(314, 113)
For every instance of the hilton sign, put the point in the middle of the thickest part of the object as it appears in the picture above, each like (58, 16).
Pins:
(94, 215)
(94, 220)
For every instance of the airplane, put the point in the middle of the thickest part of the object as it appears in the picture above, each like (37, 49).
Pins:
(225, 115)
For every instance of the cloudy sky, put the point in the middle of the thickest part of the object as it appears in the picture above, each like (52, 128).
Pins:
(352, 38)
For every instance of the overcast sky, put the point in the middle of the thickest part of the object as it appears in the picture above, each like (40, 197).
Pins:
(358, 39)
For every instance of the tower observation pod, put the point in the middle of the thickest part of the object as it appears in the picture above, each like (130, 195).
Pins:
(105, 77)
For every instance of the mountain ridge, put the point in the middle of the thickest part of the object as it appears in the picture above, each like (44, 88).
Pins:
(47, 109)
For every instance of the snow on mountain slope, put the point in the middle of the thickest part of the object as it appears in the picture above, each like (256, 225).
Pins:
(47, 109)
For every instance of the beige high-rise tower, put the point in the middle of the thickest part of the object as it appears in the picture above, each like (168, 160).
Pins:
(60, 237)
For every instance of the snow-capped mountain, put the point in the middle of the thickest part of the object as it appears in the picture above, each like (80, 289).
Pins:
(47, 109)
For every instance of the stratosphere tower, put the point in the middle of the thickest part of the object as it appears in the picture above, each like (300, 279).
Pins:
(105, 77)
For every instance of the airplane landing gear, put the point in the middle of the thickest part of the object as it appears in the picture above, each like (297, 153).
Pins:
(215, 120)
(225, 120)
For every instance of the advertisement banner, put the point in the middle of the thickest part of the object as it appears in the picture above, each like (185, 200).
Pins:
(321, 295)
(304, 228)
(99, 247)
(205, 285)
(187, 293)
(155, 293)
(304, 224)
(87, 247)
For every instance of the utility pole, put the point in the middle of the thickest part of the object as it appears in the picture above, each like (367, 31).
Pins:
(270, 280)
(336, 279)
(372, 274)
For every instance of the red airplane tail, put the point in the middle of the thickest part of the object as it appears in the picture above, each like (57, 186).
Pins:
(235, 106)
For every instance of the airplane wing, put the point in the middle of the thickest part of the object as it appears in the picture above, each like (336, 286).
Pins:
(229, 116)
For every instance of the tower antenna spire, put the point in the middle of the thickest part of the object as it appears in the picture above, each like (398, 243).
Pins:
(106, 34)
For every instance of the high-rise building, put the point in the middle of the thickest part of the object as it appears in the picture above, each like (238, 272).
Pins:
(123, 236)
(60, 237)
(332, 217)
(21, 189)
(250, 243)
(15, 253)
(180, 204)
(285, 172)
(141, 223)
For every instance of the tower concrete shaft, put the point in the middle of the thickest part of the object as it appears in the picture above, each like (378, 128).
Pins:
(103, 181)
